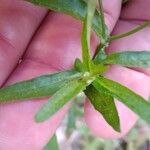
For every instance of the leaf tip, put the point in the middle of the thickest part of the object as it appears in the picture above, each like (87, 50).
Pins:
(116, 125)
(38, 118)
(117, 128)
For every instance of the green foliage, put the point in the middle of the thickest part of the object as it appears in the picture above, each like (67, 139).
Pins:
(71, 121)
(87, 75)
(136, 29)
(59, 99)
(52, 144)
(86, 35)
(134, 101)
(129, 59)
(104, 34)
(42, 86)
(75, 8)
(104, 104)
(78, 65)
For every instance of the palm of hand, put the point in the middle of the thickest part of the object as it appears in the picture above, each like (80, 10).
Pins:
(53, 48)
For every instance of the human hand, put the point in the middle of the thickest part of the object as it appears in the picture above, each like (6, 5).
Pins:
(54, 47)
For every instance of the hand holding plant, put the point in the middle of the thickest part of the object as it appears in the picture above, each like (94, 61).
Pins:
(85, 75)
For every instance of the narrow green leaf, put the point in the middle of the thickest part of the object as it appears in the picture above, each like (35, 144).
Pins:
(71, 121)
(99, 68)
(52, 144)
(59, 99)
(75, 8)
(104, 104)
(136, 29)
(71, 124)
(86, 33)
(85, 49)
(90, 14)
(99, 54)
(42, 86)
(78, 65)
(105, 34)
(129, 59)
(134, 101)
(96, 68)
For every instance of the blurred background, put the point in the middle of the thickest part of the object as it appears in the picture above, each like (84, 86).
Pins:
(73, 134)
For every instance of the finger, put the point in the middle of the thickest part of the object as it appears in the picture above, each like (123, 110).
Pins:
(17, 126)
(54, 47)
(137, 81)
(17, 25)
(29, 68)
(130, 10)
(68, 47)
(129, 20)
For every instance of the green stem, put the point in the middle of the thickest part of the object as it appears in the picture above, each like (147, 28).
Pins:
(102, 21)
(105, 35)
(140, 27)
(99, 50)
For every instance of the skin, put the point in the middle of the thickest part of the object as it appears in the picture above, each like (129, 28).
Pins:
(48, 42)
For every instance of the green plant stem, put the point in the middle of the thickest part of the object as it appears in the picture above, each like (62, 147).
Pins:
(140, 27)
(103, 26)
(74, 8)
(86, 34)
(104, 35)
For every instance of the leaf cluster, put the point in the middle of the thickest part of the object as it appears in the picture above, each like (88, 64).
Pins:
(87, 74)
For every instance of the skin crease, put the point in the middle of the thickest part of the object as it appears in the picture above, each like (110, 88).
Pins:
(51, 49)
